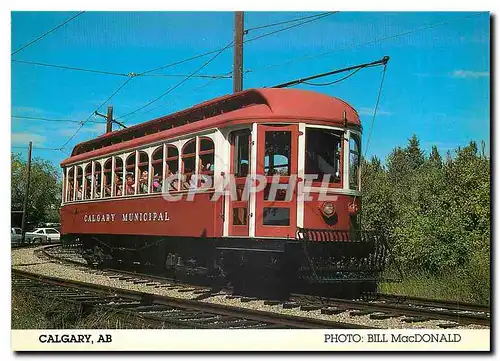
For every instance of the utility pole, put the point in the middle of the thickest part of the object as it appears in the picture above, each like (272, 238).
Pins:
(26, 194)
(109, 119)
(238, 52)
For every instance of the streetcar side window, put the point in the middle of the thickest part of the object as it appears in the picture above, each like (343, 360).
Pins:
(130, 174)
(323, 150)
(206, 163)
(70, 186)
(188, 164)
(172, 168)
(107, 178)
(241, 142)
(79, 181)
(354, 161)
(157, 170)
(87, 181)
(97, 179)
(118, 181)
(143, 172)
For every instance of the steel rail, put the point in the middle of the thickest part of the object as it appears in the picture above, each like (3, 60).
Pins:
(431, 302)
(285, 321)
(463, 313)
(401, 309)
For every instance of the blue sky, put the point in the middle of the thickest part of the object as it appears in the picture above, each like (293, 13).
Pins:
(436, 85)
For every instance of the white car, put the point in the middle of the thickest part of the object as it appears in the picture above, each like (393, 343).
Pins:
(51, 234)
(15, 236)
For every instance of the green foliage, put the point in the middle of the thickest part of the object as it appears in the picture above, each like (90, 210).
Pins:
(45, 189)
(436, 213)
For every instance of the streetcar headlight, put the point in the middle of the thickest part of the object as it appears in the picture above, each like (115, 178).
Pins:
(328, 209)
(353, 208)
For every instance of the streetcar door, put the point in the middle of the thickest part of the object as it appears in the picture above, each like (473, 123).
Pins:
(276, 205)
(239, 211)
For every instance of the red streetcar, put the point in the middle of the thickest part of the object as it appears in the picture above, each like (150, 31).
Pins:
(259, 186)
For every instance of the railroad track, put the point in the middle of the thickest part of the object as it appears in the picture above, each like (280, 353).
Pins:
(412, 309)
(162, 310)
(409, 310)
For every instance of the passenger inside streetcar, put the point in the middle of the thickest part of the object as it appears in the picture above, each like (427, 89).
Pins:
(78, 191)
(118, 185)
(70, 191)
(187, 179)
(97, 187)
(173, 180)
(143, 182)
(157, 183)
(107, 187)
(87, 186)
(130, 184)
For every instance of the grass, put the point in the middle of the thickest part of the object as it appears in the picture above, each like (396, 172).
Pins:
(459, 286)
(30, 311)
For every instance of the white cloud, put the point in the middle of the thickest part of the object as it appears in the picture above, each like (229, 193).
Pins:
(423, 75)
(468, 74)
(95, 130)
(23, 138)
(369, 111)
(27, 111)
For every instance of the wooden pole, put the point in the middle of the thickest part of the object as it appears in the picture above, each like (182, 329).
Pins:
(26, 194)
(238, 52)
(109, 120)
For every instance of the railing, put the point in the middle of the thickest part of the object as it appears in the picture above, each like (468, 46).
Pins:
(338, 255)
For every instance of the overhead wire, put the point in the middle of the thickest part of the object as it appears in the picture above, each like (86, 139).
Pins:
(54, 120)
(317, 17)
(285, 22)
(46, 33)
(290, 27)
(104, 72)
(210, 82)
(34, 147)
(375, 109)
(179, 83)
(353, 46)
(192, 75)
(320, 16)
(71, 68)
(90, 116)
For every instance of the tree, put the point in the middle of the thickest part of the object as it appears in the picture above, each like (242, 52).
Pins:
(437, 213)
(45, 189)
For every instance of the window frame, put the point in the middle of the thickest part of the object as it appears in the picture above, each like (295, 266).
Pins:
(186, 156)
(178, 160)
(201, 153)
(124, 157)
(105, 175)
(152, 162)
(339, 183)
(357, 141)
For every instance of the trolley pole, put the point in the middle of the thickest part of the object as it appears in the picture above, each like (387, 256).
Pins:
(109, 119)
(238, 52)
(26, 194)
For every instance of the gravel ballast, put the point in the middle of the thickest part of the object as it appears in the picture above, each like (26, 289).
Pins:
(26, 260)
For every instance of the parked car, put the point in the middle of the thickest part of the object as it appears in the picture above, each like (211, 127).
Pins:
(56, 226)
(36, 236)
(15, 236)
(51, 234)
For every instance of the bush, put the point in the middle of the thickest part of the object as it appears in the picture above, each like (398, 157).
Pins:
(437, 215)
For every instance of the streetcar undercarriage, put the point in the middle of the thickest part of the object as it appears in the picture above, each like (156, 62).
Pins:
(322, 262)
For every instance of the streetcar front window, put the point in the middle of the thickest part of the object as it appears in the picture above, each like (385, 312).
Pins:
(323, 154)
(277, 159)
